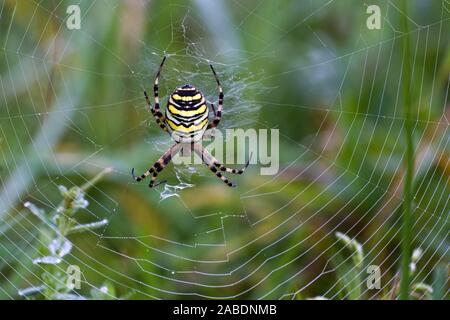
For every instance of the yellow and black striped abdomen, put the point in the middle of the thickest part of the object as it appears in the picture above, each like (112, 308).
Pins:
(187, 114)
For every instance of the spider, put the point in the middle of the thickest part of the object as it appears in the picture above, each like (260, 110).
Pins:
(186, 119)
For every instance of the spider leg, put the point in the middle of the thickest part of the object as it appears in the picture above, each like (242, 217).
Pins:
(158, 166)
(160, 118)
(213, 109)
(221, 167)
(218, 114)
(210, 132)
(215, 166)
(156, 111)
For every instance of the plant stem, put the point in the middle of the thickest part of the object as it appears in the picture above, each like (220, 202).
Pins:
(85, 187)
(408, 160)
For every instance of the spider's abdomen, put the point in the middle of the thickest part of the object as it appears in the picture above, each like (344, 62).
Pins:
(187, 114)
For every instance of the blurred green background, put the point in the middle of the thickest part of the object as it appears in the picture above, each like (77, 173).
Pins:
(72, 106)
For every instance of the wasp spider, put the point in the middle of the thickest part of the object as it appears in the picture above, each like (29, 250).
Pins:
(186, 119)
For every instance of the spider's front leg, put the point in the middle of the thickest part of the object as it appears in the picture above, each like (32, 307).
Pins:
(156, 111)
(218, 114)
(159, 117)
(158, 166)
(210, 133)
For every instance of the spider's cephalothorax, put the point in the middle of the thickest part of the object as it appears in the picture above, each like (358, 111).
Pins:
(186, 118)
(186, 114)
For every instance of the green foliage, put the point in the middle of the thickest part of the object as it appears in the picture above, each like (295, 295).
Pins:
(71, 103)
(55, 247)
(348, 262)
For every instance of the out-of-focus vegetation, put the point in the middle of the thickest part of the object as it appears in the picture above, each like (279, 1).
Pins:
(71, 105)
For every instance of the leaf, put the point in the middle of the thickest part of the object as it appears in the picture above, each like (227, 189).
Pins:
(38, 212)
(60, 247)
(47, 260)
(30, 291)
(439, 282)
(422, 288)
(88, 226)
(354, 245)
(348, 262)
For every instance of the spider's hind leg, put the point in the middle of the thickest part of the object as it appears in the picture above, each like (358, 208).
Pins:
(215, 166)
(186, 150)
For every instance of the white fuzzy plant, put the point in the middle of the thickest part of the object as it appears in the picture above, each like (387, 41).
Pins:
(55, 245)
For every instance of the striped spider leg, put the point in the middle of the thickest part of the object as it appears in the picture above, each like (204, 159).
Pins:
(160, 118)
(158, 166)
(215, 166)
(218, 113)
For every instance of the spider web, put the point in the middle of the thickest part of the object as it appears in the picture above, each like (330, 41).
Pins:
(274, 237)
